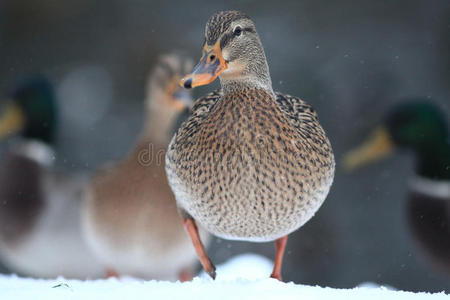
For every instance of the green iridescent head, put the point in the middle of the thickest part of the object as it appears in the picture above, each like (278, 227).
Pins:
(31, 111)
(418, 125)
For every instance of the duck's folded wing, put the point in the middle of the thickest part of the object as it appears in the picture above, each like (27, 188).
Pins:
(297, 110)
(305, 120)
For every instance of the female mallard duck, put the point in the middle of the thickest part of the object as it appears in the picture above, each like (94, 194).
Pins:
(39, 206)
(249, 164)
(421, 127)
(130, 217)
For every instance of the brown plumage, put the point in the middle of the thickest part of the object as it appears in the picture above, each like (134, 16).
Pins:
(131, 219)
(249, 164)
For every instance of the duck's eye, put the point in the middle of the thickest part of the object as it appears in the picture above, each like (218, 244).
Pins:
(237, 31)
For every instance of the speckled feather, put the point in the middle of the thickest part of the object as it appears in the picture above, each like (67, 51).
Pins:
(249, 165)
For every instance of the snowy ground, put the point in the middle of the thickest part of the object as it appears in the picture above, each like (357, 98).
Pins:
(244, 277)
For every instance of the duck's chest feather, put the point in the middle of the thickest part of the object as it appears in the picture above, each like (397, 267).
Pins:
(248, 129)
(247, 172)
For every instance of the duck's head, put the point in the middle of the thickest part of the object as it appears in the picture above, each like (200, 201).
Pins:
(31, 111)
(232, 51)
(417, 124)
(163, 92)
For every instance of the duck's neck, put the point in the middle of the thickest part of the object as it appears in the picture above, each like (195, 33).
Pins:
(434, 162)
(159, 123)
(240, 84)
(250, 73)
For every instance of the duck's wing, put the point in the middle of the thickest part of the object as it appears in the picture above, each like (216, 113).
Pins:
(305, 120)
(21, 196)
(296, 110)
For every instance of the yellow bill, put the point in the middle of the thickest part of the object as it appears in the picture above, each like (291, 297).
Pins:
(11, 121)
(378, 146)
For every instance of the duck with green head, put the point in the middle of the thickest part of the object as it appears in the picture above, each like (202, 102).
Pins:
(420, 126)
(39, 207)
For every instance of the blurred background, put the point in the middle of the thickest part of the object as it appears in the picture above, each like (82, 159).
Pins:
(351, 60)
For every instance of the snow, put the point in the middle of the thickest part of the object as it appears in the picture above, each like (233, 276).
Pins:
(244, 266)
(243, 277)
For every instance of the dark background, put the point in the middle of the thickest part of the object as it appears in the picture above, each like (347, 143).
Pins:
(352, 60)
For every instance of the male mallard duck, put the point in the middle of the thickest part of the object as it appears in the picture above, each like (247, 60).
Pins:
(39, 207)
(421, 127)
(249, 164)
(130, 216)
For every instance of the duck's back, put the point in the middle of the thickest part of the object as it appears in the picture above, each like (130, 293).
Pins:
(250, 165)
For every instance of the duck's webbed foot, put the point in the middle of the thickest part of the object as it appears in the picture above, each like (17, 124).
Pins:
(111, 273)
(185, 275)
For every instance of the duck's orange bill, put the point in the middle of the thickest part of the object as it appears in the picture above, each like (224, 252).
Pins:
(206, 71)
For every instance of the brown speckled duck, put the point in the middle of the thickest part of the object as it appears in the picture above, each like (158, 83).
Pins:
(130, 217)
(249, 163)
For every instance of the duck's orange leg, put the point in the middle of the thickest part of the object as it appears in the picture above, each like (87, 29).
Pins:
(110, 273)
(280, 245)
(185, 275)
(191, 228)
